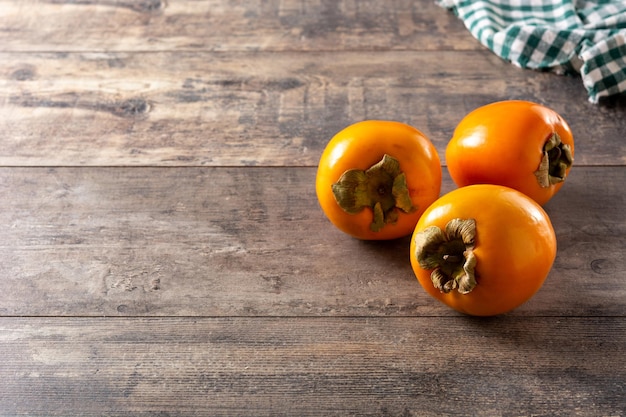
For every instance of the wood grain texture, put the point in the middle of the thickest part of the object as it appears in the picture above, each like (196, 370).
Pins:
(162, 252)
(232, 25)
(312, 367)
(277, 109)
(253, 241)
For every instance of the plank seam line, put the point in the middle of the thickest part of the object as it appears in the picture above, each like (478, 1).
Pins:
(484, 319)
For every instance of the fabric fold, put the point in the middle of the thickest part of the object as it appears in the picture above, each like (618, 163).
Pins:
(584, 37)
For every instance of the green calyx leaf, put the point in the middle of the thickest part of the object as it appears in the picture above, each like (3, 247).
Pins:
(382, 188)
(556, 160)
(449, 254)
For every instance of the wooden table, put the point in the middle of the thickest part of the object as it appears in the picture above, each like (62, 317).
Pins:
(162, 251)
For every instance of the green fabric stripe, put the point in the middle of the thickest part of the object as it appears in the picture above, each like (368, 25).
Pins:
(552, 34)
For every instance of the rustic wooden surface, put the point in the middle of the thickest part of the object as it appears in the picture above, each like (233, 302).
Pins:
(162, 251)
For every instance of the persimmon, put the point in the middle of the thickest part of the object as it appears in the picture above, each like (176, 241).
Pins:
(483, 249)
(518, 144)
(376, 177)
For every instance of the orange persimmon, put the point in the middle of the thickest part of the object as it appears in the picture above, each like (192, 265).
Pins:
(483, 249)
(518, 144)
(375, 178)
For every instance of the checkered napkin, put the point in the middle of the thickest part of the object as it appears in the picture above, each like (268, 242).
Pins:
(586, 37)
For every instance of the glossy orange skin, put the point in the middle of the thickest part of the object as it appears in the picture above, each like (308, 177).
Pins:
(502, 143)
(363, 144)
(515, 247)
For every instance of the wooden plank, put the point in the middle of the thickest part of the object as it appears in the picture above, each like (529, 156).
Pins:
(234, 109)
(253, 241)
(217, 25)
(306, 366)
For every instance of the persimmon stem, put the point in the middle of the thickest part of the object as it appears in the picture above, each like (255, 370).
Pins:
(452, 258)
(449, 254)
(556, 160)
(381, 188)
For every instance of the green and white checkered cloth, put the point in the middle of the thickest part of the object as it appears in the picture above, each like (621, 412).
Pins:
(587, 37)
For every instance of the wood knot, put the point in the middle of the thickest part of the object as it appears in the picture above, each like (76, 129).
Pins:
(25, 73)
(602, 266)
(131, 108)
(148, 6)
